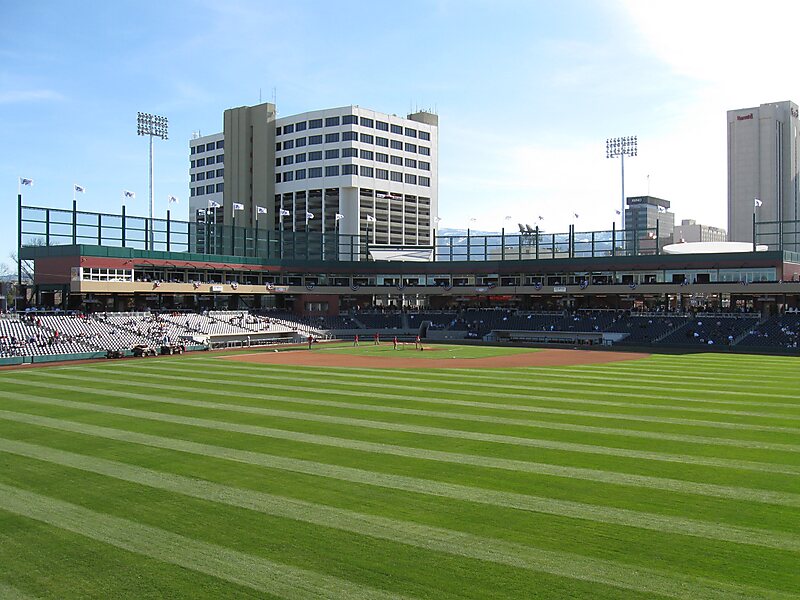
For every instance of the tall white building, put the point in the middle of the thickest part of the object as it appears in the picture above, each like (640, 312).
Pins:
(348, 161)
(763, 165)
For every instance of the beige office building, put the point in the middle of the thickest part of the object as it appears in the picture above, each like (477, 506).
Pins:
(763, 165)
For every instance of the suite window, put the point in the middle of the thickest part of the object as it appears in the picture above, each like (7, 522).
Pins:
(288, 129)
(287, 145)
(381, 157)
(411, 147)
(277, 177)
(349, 120)
(332, 153)
(194, 149)
(191, 191)
(349, 152)
(410, 162)
(382, 125)
(348, 169)
(300, 157)
(220, 144)
(349, 136)
(220, 172)
(381, 173)
(365, 122)
(209, 189)
(395, 176)
(332, 171)
(315, 123)
(299, 142)
(192, 177)
(425, 181)
(397, 145)
(210, 160)
(301, 126)
(277, 131)
(366, 171)
(288, 176)
(411, 178)
(201, 191)
(220, 159)
(424, 150)
(382, 141)
(331, 138)
(315, 172)
(397, 129)
(366, 155)
(425, 166)
(316, 155)
(424, 135)
(209, 174)
(397, 160)
(201, 177)
(201, 162)
(300, 174)
(210, 146)
(192, 164)
(331, 121)
(411, 132)
(313, 140)
(288, 160)
(367, 138)
(219, 187)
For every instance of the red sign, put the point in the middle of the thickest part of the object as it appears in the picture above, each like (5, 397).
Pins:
(744, 117)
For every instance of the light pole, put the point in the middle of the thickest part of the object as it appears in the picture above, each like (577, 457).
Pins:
(621, 147)
(153, 126)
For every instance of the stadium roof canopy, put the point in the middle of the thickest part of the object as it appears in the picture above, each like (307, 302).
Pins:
(711, 248)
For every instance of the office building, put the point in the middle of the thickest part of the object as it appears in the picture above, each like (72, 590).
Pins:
(690, 231)
(763, 165)
(650, 220)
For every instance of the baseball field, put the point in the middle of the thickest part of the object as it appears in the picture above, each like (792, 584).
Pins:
(370, 472)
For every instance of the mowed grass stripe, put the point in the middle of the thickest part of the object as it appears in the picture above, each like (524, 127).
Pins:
(476, 418)
(254, 572)
(484, 496)
(488, 391)
(516, 501)
(8, 592)
(563, 564)
(497, 379)
(605, 476)
(738, 426)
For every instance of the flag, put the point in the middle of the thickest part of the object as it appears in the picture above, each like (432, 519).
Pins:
(212, 204)
(437, 219)
(25, 181)
(370, 219)
(576, 215)
(473, 220)
(260, 210)
(541, 218)
(172, 199)
(285, 213)
(309, 215)
(129, 194)
(508, 217)
(757, 202)
(79, 188)
(618, 212)
(339, 216)
(237, 206)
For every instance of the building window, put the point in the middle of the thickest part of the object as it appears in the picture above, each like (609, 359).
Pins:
(201, 177)
(192, 177)
(349, 152)
(298, 142)
(381, 173)
(287, 145)
(288, 160)
(366, 171)
(410, 162)
(395, 176)
(425, 181)
(365, 122)
(316, 155)
(332, 153)
(201, 162)
(220, 144)
(331, 121)
(349, 136)
(382, 141)
(277, 177)
(209, 174)
(221, 172)
(300, 174)
(210, 160)
(397, 160)
(288, 176)
(425, 166)
(191, 192)
(397, 145)
(366, 155)
(301, 126)
(315, 123)
(397, 129)
(194, 149)
(411, 132)
(288, 129)
(382, 125)
(209, 189)
(411, 147)
(210, 146)
(277, 131)
(315, 172)
(201, 191)
(314, 139)
(411, 178)
(424, 135)
(349, 120)
(332, 171)
(219, 187)
(220, 159)
(367, 138)
(300, 157)
(381, 157)
(331, 138)
(348, 169)
(192, 165)
(424, 150)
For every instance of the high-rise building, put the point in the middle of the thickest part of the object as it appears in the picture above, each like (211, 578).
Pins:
(762, 168)
(691, 231)
(651, 221)
(376, 172)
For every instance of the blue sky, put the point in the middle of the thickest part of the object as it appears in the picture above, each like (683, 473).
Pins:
(526, 92)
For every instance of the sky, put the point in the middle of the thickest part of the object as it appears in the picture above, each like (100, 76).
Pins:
(526, 91)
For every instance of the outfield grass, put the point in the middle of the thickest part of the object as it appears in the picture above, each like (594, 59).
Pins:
(431, 351)
(199, 477)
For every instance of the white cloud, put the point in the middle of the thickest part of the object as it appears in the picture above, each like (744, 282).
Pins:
(15, 96)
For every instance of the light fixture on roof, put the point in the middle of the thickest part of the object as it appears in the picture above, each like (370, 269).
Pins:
(622, 147)
(151, 126)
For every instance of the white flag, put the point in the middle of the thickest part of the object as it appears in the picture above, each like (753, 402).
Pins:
(618, 212)
(79, 188)
(285, 213)
(260, 210)
(437, 219)
(129, 194)
(309, 215)
(212, 204)
(370, 219)
(576, 215)
(172, 199)
(757, 202)
(25, 181)
(237, 206)
(339, 216)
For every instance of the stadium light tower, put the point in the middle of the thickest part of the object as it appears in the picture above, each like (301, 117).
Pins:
(152, 126)
(622, 147)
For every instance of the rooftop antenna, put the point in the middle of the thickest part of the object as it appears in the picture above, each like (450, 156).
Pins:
(259, 95)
